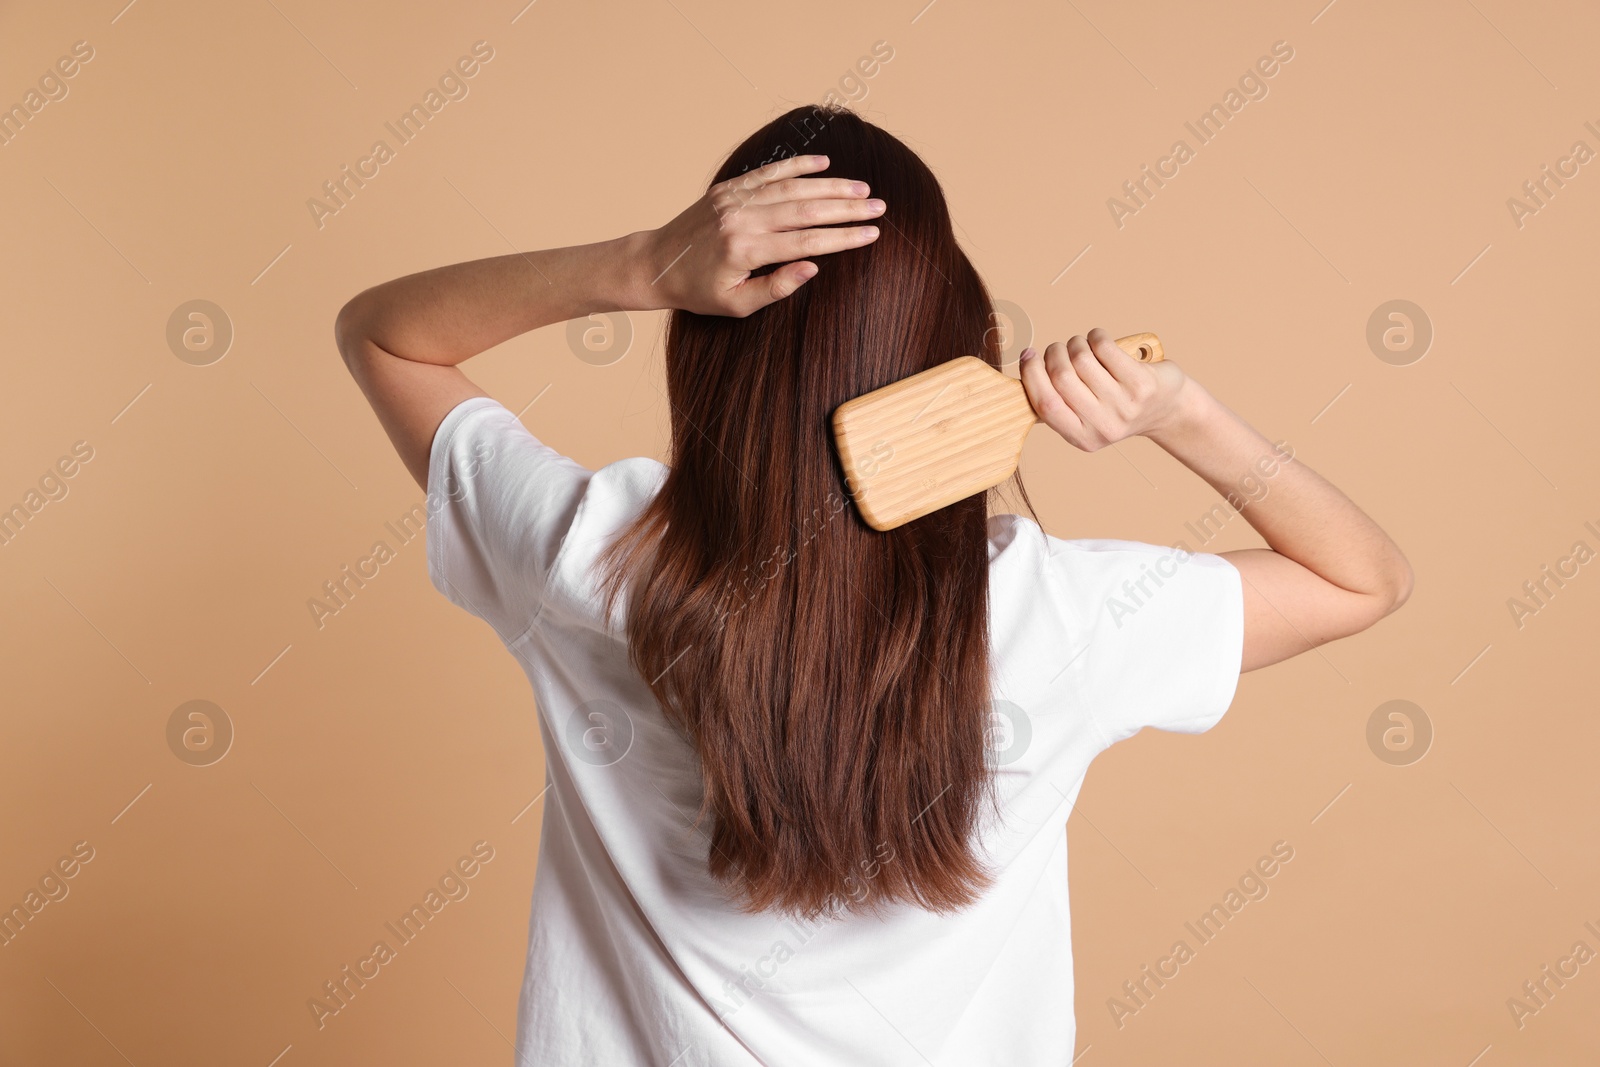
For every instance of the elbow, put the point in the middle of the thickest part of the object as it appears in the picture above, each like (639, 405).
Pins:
(1397, 587)
(1365, 610)
(1386, 594)
(1408, 581)
(349, 328)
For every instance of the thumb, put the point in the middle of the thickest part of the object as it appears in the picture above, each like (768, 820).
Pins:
(782, 282)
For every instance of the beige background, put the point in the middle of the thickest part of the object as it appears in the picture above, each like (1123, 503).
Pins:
(371, 753)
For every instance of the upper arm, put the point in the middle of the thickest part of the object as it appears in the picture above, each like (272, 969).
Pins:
(410, 398)
(1290, 609)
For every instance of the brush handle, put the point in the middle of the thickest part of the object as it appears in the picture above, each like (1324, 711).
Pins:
(1144, 347)
(941, 435)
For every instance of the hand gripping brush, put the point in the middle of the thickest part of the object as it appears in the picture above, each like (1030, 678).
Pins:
(919, 444)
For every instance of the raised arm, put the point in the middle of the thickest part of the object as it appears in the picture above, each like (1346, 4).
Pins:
(1329, 570)
(402, 340)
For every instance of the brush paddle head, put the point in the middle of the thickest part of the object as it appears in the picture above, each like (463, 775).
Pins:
(927, 441)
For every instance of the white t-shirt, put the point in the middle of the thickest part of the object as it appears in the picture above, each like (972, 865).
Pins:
(634, 956)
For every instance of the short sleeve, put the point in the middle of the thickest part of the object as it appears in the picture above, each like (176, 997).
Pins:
(499, 504)
(1160, 633)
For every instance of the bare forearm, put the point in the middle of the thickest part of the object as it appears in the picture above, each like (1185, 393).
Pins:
(402, 340)
(449, 314)
(1301, 515)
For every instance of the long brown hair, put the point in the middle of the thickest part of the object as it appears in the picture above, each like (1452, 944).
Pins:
(833, 680)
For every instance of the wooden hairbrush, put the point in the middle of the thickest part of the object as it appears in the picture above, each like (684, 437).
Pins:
(927, 441)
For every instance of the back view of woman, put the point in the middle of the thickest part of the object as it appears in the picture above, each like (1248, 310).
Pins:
(808, 782)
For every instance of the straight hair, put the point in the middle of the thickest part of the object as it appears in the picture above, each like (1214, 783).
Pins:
(833, 680)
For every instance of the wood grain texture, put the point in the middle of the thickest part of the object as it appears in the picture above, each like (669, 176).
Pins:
(927, 441)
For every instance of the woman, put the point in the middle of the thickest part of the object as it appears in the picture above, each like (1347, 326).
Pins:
(780, 828)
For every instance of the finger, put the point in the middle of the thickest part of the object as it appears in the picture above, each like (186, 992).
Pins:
(1046, 399)
(796, 189)
(753, 294)
(748, 183)
(803, 214)
(1114, 358)
(1062, 367)
(1061, 363)
(789, 245)
(1086, 362)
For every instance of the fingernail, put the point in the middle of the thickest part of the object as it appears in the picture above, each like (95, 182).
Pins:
(1027, 354)
(859, 188)
(869, 231)
(875, 204)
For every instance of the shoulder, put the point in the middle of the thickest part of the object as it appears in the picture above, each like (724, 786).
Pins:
(481, 434)
(615, 495)
(1084, 582)
(1087, 557)
(1021, 537)
(1145, 634)
(504, 510)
